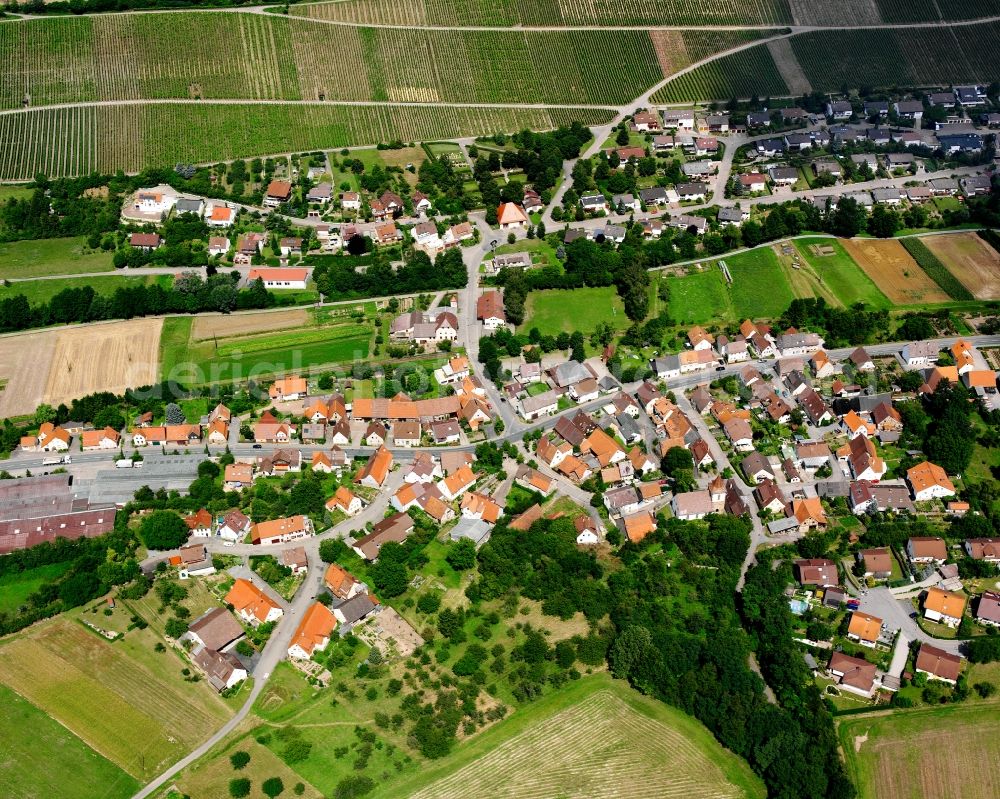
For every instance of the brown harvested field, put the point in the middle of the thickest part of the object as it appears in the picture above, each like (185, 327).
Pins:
(970, 259)
(222, 325)
(935, 752)
(403, 156)
(894, 271)
(60, 364)
(670, 50)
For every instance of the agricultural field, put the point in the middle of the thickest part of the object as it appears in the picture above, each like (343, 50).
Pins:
(846, 12)
(894, 271)
(743, 74)
(936, 271)
(59, 364)
(839, 273)
(125, 701)
(508, 13)
(637, 737)
(71, 256)
(555, 311)
(194, 352)
(207, 326)
(75, 141)
(699, 298)
(759, 289)
(939, 752)
(33, 743)
(973, 262)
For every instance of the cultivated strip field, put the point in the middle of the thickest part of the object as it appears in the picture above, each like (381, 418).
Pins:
(630, 753)
(550, 12)
(207, 326)
(130, 707)
(75, 141)
(894, 271)
(59, 364)
(971, 260)
(939, 752)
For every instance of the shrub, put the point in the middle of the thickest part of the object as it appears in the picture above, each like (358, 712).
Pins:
(239, 759)
(239, 787)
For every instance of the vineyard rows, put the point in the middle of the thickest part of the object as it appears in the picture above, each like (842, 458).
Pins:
(902, 57)
(75, 141)
(506, 13)
(928, 10)
(741, 74)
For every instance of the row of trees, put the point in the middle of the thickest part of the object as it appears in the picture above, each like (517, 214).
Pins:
(189, 294)
(337, 278)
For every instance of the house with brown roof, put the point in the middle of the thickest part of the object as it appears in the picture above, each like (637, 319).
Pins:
(946, 607)
(490, 310)
(223, 670)
(692, 505)
(533, 480)
(863, 459)
(214, 629)
(988, 609)
(769, 496)
(194, 561)
(938, 664)
(864, 628)
(237, 476)
(295, 559)
(757, 468)
(393, 528)
(853, 674)
(821, 572)
(987, 549)
(926, 549)
(313, 634)
(813, 454)
(878, 562)
(251, 604)
(277, 193)
(739, 433)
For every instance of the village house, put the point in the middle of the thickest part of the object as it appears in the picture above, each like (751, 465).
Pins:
(281, 531)
(878, 562)
(926, 550)
(376, 469)
(864, 628)
(215, 629)
(853, 674)
(237, 476)
(393, 528)
(346, 501)
(251, 604)
(313, 634)
(946, 607)
(928, 481)
(234, 527)
(938, 664)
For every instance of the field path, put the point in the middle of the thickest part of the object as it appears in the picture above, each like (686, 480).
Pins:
(788, 66)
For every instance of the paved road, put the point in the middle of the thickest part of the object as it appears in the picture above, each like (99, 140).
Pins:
(896, 614)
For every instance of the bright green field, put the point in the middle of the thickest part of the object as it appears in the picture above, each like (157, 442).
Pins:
(49, 256)
(267, 353)
(637, 736)
(554, 311)
(939, 751)
(42, 759)
(844, 277)
(14, 193)
(15, 588)
(699, 298)
(760, 289)
(39, 291)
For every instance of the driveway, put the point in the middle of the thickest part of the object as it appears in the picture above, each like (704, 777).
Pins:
(896, 614)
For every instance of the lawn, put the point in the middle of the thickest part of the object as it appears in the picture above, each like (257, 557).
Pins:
(636, 736)
(40, 755)
(759, 289)
(16, 588)
(9, 192)
(543, 253)
(41, 291)
(555, 311)
(841, 274)
(938, 751)
(699, 298)
(51, 257)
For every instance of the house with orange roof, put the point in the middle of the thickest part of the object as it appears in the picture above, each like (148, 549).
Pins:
(251, 604)
(288, 388)
(638, 525)
(345, 500)
(511, 216)
(237, 476)
(480, 506)
(854, 425)
(929, 481)
(700, 339)
(533, 480)
(821, 365)
(376, 469)
(217, 433)
(573, 468)
(52, 438)
(552, 454)
(863, 459)
(341, 583)
(936, 376)
(808, 512)
(218, 215)
(313, 634)
(984, 379)
(945, 607)
(963, 353)
(457, 483)
(199, 523)
(864, 628)
(280, 531)
(108, 438)
(603, 447)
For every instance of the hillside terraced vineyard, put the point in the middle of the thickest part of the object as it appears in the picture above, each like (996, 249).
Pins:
(74, 141)
(743, 74)
(506, 13)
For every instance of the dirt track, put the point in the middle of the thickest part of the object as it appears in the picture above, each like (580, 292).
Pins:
(221, 325)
